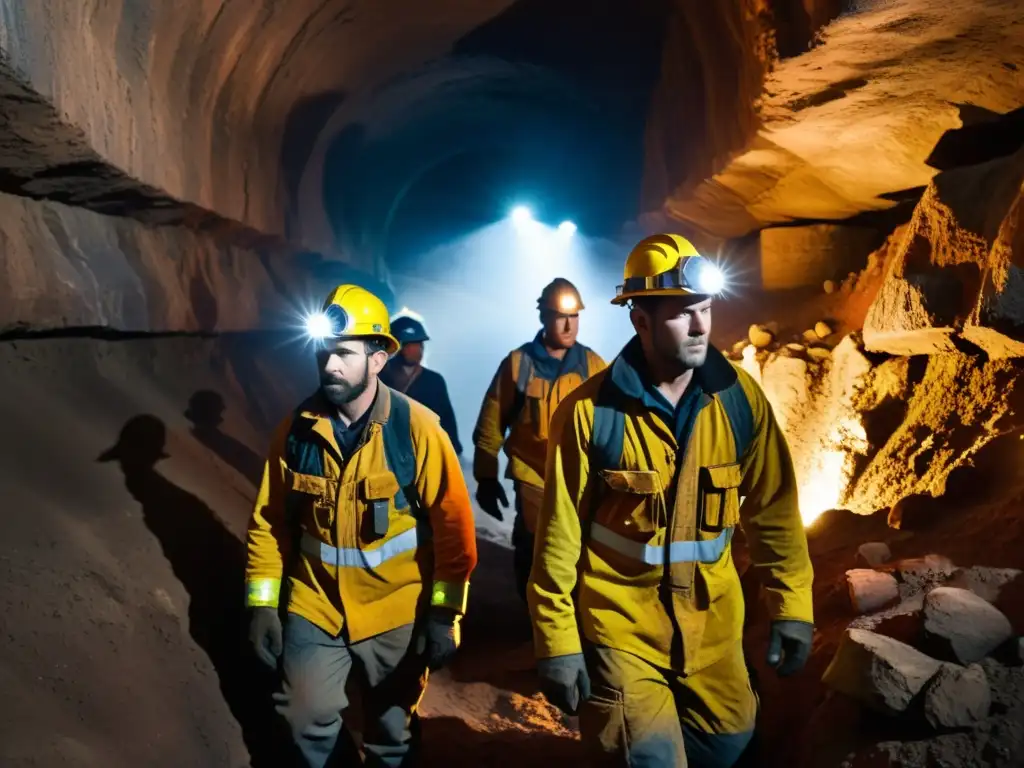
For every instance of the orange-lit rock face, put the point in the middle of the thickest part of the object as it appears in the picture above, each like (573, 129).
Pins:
(857, 117)
(957, 271)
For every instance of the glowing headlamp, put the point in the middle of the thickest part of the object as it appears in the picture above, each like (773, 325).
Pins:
(327, 324)
(704, 275)
(567, 304)
(693, 274)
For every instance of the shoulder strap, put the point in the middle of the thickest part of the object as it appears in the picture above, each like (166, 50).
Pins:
(525, 372)
(398, 450)
(607, 436)
(522, 369)
(741, 417)
(302, 453)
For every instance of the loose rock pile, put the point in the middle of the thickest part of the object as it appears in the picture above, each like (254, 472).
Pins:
(952, 687)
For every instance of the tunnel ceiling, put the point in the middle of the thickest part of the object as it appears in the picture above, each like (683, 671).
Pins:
(862, 120)
(340, 125)
(192, 98)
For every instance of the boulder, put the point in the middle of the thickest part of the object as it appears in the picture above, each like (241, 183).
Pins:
(822, 329)
(918, 572)
(759, 336)
(874, 554)
(957, 697)
(986, 583)
(829, 286)
(954, 273)
(870, 590)
(962, 626)
(882, 673)
(819, 354)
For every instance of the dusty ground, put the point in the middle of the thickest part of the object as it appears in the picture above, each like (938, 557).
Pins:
(121, 572)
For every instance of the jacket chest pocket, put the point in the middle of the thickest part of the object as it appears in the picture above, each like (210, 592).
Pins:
(313, 497)
(380, 494)
(537, 391)
(632, 503)
(719, 503)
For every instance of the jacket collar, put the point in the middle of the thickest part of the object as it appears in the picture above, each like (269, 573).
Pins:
(550, 367)
(629, 373)
(316, 412)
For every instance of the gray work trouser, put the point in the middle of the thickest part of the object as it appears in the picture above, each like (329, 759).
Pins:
(316, 669)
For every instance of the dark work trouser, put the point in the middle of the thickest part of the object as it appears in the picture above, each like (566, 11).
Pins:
(641, 716)
(528, 503)
(316, 670)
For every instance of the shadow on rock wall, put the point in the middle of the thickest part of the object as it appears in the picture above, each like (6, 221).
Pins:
(206, 412)
(210, 563)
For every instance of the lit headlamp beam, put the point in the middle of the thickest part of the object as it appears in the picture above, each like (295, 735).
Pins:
(568, 305)
(711, 279)
(319, 326)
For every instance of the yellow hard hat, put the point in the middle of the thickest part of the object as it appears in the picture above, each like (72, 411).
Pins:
(351, 312)
(667, 265)
(560, 296)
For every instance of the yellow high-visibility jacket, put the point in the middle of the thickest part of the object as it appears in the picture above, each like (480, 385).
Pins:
(618, 546)
(524, 393)
(313, 522)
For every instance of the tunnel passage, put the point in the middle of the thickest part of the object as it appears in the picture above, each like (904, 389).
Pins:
(543, 104)
(175, 171)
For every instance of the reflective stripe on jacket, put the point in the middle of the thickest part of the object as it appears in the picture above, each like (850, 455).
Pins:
(524, 393)
(646, 546)
(318, 531)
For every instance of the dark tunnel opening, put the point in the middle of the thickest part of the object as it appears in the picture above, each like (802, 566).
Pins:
(542, 106)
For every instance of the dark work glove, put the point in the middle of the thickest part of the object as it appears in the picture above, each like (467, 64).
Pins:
(789, 646)
(439, 637)
(266, 635)
(564, 681)
(490, 493)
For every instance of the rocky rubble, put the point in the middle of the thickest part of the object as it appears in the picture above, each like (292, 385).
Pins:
(949, 693)
(871, 590)
(962, 625)
(957, 697)
(878, 671)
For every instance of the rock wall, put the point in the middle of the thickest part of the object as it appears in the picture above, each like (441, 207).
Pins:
(957, 274)
(848, 126)
(64, 267)
(714, 62)
(867, 432)
(195, 98)
(795, 256)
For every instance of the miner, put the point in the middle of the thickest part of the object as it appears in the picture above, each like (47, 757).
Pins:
(636, 603)
(361, 539)
(516, 412)
(406, 373)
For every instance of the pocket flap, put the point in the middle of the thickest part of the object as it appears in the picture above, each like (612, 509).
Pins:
(642, 482)
(382, 485)
(537, 388)
(311, 484)
(724, 476)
